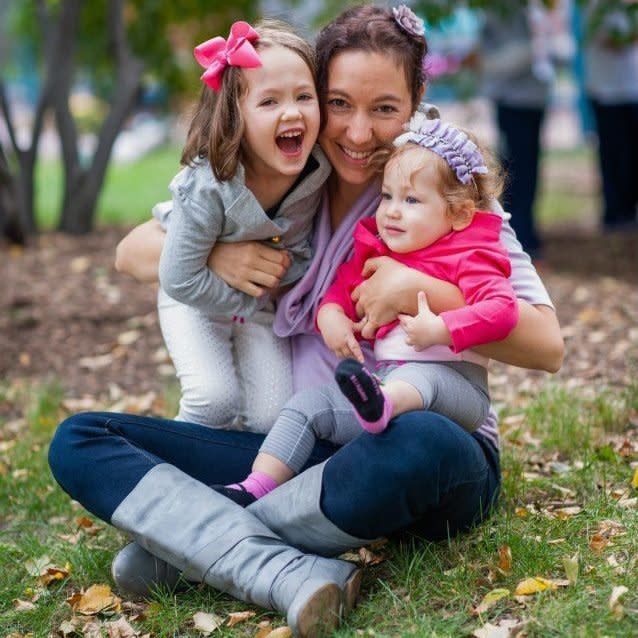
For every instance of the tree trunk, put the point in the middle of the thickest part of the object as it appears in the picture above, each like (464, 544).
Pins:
(83, 186)
(11, 224)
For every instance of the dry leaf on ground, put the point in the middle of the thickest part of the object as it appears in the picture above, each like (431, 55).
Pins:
(263, 629)
(571, 568)
(236, 617)
(92, 630)
(23, 605)
(538, 584)
(505, 558)
(207, 623)
(370, 558)
(506, 628)
(280, 632)
(598, 542)
(634, 480)
(489, 600)
(96, 599)
(68, 627)
(614, 601)
(120, 628)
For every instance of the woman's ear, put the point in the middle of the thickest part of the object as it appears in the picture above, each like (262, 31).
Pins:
(463, 214)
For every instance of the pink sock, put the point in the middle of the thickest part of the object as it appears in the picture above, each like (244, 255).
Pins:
(257, 483)
(376, 427)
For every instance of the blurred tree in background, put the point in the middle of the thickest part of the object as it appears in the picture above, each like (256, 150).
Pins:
(113, 44)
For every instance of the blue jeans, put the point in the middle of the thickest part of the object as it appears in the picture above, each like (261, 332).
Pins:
(424, 472)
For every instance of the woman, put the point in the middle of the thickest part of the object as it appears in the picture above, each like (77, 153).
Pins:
(150, 477)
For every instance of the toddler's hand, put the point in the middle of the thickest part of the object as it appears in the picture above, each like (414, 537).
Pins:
(425, 329)
(340, 338)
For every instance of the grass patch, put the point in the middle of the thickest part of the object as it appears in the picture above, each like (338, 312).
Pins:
(129, 193)
(564, 475)
(132, 189)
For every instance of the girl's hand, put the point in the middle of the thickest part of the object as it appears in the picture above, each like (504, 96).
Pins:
(338, 333)
(249, 266)
(425, 329)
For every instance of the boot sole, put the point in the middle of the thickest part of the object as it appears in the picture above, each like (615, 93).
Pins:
(320, 615)
(351, 591)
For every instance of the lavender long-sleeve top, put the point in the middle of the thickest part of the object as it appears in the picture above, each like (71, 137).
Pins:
(313, 363)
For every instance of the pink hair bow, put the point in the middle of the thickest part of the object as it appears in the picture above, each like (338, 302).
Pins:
(216, 54)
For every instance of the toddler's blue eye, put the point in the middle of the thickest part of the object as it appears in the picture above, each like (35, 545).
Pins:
(411, 200)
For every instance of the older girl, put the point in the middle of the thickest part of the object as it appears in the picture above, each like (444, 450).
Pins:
(150, 477)
(251, 170)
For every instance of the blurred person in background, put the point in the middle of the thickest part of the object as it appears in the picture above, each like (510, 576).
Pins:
(518, 53)
(611, 82)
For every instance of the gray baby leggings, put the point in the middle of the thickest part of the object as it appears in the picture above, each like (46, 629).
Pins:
(457, 390)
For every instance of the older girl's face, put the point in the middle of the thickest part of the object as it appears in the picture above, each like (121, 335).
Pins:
(367, 103)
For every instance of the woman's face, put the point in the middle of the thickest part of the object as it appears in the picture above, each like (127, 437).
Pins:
(367, 103)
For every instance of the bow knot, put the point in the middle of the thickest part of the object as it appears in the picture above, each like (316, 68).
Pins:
(216, 54)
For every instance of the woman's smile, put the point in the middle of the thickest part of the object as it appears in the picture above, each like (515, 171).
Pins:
(362, 116)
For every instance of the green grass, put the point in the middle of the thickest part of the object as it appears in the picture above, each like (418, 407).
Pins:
(132, 189)
(421, 589)
(129, 193)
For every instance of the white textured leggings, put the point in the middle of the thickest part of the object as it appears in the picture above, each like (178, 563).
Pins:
(233, 375)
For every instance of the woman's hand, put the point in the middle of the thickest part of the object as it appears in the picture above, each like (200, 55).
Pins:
(392, 288)
(249, 266)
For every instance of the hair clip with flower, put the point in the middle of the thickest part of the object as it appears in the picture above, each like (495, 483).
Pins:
(408, 21)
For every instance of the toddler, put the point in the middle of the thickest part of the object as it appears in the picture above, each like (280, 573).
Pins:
(432, 217)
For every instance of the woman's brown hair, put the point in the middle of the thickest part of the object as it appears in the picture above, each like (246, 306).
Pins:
(370, 28)
(217, 128)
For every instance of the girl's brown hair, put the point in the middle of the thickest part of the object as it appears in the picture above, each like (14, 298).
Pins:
(217, 128)
(482, 190)
(369, 28)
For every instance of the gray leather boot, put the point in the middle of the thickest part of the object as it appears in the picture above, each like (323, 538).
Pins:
(293, 511)
(139, 573)
(211, 539)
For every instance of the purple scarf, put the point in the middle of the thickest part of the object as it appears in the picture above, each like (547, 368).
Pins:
(312, 362)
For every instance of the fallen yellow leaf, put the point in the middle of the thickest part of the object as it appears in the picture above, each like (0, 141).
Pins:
(634, 480)
(489, 600)
(280, 632)
(236, 617)
(96, 599)
(52, 574)
(207, 623)
(505, 558)
(533, 586)
(263, 629)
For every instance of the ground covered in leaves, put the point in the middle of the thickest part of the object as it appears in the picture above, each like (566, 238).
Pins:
(559, 557)
(66, 315)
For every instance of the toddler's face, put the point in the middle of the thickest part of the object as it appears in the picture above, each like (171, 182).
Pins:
(412, 213)
(281, 113)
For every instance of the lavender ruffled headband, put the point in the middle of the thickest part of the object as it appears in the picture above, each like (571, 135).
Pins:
(454, 146)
